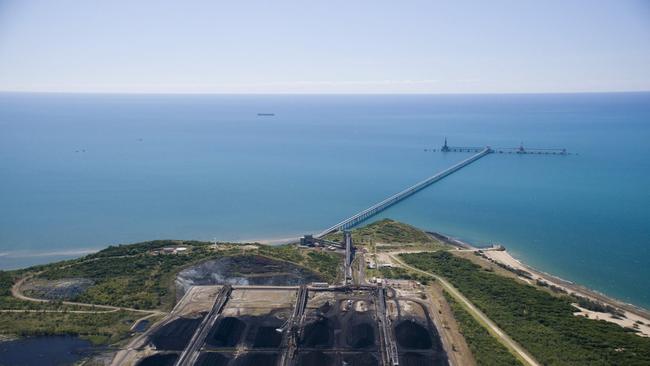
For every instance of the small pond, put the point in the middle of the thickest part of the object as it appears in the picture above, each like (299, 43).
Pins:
(45, 350)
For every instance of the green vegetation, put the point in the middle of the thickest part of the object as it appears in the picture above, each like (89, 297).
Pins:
(145, 247)
(289, 253)
(485, 348)
(131, 277)
(399, 273)
(387, 231)
(128, 276)
(594, 305)
(7, 280)
(100, 328)
(326, 264)
(542, 323)
(8, 302)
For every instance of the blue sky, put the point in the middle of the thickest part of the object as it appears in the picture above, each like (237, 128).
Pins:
(332, 46)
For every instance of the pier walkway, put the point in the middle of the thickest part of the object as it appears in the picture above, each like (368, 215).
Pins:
(378, 207)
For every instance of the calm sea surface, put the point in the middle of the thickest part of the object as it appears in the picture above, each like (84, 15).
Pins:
(78, 173)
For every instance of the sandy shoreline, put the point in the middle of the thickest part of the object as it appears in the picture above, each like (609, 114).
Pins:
(635, 316)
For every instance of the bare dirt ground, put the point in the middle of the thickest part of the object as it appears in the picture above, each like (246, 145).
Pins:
(442, 316)
(63, 289)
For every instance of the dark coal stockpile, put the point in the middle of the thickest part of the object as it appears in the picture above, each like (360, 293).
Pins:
(176, 334)
(159, 360)
(263, 329)
(412, 335)
(419, 344)
(244, 270)
(319, 334)
(332, 327)
(226, 333)
(340, 332)
(360, 359)
(213, 359)
(360, 336)
(249, 331)
(316, 358)
(422, 359)
(257, 359)
(267, 337)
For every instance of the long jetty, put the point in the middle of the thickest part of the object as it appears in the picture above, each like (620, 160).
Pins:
(378, 207)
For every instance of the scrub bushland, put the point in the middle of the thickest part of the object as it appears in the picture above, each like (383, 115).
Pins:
(542, 323)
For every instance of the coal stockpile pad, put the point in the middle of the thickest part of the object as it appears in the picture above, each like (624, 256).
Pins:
(341, 321)
(418, 341)
(257, 332)
(214, 359)
(319, 358)
(253, 319)
(257, 359)
(175, 335)
(264, 358)
(227, 332)
(340, 328)
(422, 359)
(159, 359)
(413, 335)
(256, 326)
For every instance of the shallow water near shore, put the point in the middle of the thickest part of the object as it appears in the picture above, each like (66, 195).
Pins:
(45, 350)
(80, 172)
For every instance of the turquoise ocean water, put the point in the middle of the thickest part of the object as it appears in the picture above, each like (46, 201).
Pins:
(80, 172)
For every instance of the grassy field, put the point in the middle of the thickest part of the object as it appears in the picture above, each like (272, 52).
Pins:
(542, 323)
(388, 231)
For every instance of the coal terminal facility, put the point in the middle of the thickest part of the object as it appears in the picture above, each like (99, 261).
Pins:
(235, 324)
(261, 325)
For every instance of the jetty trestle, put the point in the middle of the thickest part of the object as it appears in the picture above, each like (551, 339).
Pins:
(378, 207)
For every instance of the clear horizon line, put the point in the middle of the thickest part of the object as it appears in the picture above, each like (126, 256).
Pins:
(316, 93)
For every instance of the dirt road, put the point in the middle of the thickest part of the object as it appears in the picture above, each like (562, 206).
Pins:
(517, 349)
(16, 292)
